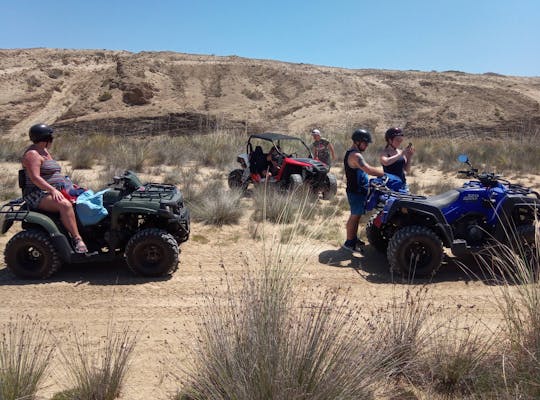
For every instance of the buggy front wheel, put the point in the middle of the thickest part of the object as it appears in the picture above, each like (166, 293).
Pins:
(330, 187)
(235, 179)
(295, 181)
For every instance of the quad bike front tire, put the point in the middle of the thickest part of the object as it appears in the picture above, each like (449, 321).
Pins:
(30, 254)
(330, 187)
(235, 179)
(375, 236)
(415, 251)
(152, 252)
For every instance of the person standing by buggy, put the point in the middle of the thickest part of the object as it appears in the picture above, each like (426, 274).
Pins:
(322, 149)
(44, 181)
(394, 160)
(356, 173)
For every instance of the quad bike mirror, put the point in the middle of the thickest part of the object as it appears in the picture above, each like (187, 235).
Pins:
(462, 158)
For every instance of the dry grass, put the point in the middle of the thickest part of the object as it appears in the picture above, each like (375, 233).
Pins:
(214, 205)
(25, 355)
(97, 371)
(265, 342)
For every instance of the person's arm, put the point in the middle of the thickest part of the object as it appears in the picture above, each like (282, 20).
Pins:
(32, 163)
(408, 153)
(357, 161)
(387, 160)
(332, 152)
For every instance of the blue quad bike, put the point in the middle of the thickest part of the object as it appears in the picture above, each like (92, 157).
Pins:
(413, 229)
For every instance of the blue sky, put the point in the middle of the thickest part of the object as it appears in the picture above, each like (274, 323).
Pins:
(473, 36)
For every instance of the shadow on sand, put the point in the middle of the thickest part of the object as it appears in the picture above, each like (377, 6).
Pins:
(113, 273)
(373, 266)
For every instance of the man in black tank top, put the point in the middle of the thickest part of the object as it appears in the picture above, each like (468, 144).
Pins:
(356, 173)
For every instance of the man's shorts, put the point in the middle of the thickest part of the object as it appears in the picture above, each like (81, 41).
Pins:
(357, 203)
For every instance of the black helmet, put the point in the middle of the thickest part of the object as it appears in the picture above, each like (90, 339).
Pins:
(41, 133)
(361, 135)
(392, 133)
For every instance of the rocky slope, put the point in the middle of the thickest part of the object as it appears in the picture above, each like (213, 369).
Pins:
(162, 92)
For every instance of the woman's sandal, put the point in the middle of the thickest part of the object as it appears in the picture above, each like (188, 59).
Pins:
(80, 246)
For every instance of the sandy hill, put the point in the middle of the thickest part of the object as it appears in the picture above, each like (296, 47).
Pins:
(165, 92)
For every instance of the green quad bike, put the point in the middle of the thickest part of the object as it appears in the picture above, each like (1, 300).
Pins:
(145, 225)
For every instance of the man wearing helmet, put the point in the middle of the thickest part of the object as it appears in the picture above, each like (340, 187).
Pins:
(394, 160)
(44, 181)
(356, 173)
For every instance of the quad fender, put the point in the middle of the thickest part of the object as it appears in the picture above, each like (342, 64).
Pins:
(30, 218)
(36, 220)
(403, 213)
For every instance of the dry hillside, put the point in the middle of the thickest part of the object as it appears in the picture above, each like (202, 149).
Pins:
(165, 92)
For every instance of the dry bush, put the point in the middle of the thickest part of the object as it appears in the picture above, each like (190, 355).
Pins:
(405, 325)
(515, 266)
(25, 356)
(282, 207)
(458, 360)
(9, 187)
(266, 342)
(97, 371)
(214, 205)
(441, 151)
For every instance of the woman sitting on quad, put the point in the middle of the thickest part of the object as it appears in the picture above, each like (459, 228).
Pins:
(44, 181)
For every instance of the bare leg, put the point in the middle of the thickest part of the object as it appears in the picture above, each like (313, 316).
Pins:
(352, 226)
(67, 215)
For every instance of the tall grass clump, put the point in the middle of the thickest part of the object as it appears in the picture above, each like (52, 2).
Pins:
(515, 265)
(264, 342)
(97, 371)
(283, 207)
(9, 187)
(267, 338)
(405, 325)
(214, 205)
(459, 360)
(25, 356)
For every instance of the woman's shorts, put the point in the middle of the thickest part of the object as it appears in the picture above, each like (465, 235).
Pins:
(357, 203)
(33, 198)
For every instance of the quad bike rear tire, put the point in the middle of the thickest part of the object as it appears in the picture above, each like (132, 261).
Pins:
(375, 236)
(235, 179)
(30, 254)
(415, 251)
(152, 252)
(330, 187)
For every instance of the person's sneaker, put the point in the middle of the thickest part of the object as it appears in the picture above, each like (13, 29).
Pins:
(349, 245)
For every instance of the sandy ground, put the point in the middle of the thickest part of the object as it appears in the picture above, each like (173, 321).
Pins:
(87, 297)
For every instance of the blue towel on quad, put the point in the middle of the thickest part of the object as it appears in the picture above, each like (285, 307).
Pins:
(89, 206)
